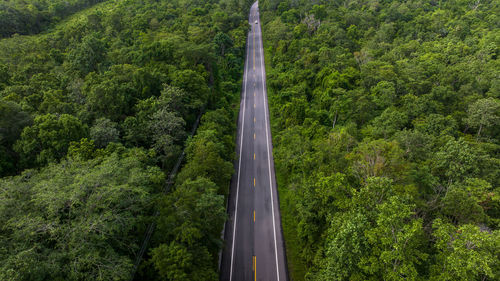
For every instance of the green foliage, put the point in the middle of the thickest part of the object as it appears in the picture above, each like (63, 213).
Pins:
(377, 158)
(28, 17)
(80, 100)
(12, 122)
(190, 218)
(483, 113)
(204, 154)
(396, 242)
(77, 220)
(86, 56)
(466, 252)
(103, 132)
(401, 99)
(456, 161)
(346, 245)
(47, 140)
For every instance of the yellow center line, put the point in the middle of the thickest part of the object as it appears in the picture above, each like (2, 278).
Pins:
(254, 119)
(253, 135)
(254, 105)
(255, 268)
(253, 181)
(254, 156)
(253, 215)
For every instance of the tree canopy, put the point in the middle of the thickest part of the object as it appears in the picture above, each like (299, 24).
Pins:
(97, 102)
(385, 119)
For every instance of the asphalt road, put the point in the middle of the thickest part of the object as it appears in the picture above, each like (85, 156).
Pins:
(254, 248)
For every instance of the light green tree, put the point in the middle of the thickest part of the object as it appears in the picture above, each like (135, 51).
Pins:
(483, 113)
(466, 252)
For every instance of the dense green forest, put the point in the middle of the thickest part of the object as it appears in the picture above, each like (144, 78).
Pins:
(33, 16)
(94, 112)
(386, 134)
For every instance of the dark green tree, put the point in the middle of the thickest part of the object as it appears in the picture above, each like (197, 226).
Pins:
(48, 139)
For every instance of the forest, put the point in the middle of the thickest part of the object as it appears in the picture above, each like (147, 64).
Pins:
(386, 132)
(98, 100)
(33, 16)
(385, 125)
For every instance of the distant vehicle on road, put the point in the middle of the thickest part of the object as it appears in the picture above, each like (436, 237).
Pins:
(256, 22)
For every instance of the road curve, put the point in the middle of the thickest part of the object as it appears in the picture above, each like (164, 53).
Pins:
(254, 248)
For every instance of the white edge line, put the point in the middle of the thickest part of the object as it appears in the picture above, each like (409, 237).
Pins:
(268, 153)
(239, 162)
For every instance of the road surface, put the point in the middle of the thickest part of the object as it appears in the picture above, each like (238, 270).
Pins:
(254, 248)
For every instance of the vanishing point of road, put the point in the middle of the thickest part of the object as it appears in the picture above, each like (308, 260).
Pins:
(254, 248)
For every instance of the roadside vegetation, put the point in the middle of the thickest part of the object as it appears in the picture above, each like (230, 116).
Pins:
(94, 113)
(386, 125)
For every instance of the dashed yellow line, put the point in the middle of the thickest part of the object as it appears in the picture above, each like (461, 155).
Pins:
(254, 156)
(255, 267)
(253, 181)
(253, 215)
(254, 105)
(254, 119)
(253, 135)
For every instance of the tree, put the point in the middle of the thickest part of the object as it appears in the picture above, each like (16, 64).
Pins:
(77, 220)
(221, 121)
(388, 123)
(466, 252)
(48, 139)
(467, 202)
(190, 222)
(436, 125)
(56, 102)
(4, 76)
(346, 246)
(84, 149)
(322, 197)
(460, 207)
(86, 56)
(384, 94)
(204, 155)
(12, 122)
(377, 158)
(319, 11)
(167, 129)
(104, 131)
(157, 124)
(396, 242)
(375, 191)
(223, 43)
(112, 94)
(194, 85)
(456, 161)
(483, 113)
